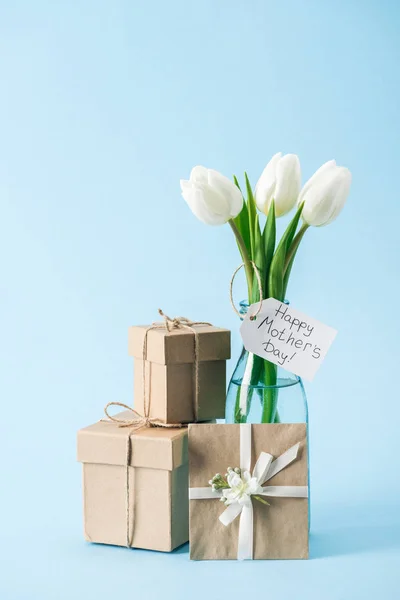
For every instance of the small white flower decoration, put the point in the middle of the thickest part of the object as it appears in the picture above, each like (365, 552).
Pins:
(241, 487)
(237, 486)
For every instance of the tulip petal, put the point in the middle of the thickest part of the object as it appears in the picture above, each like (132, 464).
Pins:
(189, 195)
(288, 182)
(325, 200)
(342, 193)
(215, 201)
(318, 176)
(198, 174)
(226, 188)
(213, 198)
(185, 184)
(265, 187)
(325, 194)
(318, 204)
(194, 198)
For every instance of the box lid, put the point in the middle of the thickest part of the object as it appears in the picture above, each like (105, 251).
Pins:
(153, 447)
(176, 346)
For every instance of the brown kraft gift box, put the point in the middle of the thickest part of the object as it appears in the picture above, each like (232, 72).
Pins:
(280, 530)
(158, 485)
(169, 372)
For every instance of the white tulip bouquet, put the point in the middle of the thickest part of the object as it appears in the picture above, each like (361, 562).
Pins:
(215, 200)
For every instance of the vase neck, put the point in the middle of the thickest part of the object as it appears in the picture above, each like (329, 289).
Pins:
(244, 306)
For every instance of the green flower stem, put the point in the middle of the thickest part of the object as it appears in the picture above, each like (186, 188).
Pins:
(239, 416)
(294, 245)
(276, 278)
(270, 394)
(266, 372)
(254, 380)
(245, 256)
(261, 500)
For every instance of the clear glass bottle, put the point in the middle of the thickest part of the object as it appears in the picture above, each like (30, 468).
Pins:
(261, 392)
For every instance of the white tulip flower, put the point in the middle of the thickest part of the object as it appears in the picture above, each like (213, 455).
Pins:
(212, 197)
(280, 181)
(325, 194)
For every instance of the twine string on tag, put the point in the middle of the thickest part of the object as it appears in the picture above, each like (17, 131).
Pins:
(258, 277)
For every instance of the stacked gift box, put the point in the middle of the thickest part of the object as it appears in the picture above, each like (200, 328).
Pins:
(169, 372)
(154, 475)
(135, 464)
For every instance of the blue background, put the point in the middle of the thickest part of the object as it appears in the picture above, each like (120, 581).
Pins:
(104, 107)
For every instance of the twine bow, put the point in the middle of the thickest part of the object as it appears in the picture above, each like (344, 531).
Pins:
(139, 421)
(177, 322)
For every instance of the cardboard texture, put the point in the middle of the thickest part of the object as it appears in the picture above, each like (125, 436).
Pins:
(172, 392)
(169, 376)
(176, 346)
(281, 529)
(158, 482)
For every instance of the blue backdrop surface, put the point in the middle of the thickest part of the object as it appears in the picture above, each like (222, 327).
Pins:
(104, 107)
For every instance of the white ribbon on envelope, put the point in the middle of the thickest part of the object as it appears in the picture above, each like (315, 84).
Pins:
(264, 469)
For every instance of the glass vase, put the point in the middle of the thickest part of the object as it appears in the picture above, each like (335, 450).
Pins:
(261, 392)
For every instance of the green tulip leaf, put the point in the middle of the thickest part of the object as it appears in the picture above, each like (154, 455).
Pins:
(252, 212)
(242, 221)
(259, 260)
(277, 269)
(269, 238)
(291, 255)
(235, 179)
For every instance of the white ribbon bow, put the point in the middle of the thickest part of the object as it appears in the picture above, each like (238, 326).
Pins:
(264, 469)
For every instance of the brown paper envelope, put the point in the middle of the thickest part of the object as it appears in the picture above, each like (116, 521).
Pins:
(281, 529)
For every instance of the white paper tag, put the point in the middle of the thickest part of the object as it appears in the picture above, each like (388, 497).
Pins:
(287, 337)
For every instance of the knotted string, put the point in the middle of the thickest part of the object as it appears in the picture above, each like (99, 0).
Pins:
(138, 421)
(171, 324)
(260, 290)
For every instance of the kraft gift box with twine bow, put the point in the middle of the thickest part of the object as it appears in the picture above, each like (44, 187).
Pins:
(135, 463)
(135, 484)
(248, 491)
(180, 369)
